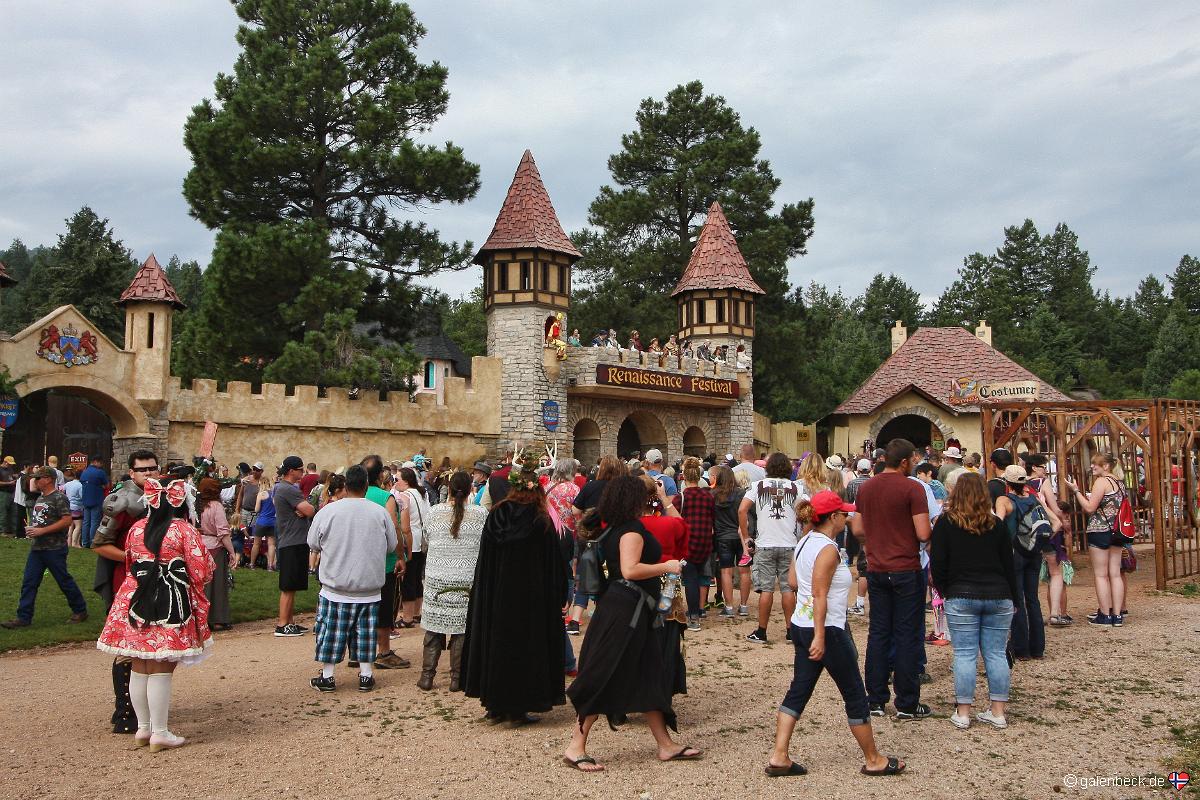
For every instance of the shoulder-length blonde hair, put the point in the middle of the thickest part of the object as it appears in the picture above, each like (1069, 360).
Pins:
(814, 473)
(970, 505)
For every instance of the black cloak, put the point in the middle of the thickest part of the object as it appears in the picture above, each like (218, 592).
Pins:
(514, 649)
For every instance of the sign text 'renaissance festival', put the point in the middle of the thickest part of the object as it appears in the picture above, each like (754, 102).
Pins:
(666, 382)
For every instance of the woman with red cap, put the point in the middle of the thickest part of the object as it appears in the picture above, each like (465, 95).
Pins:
(818, 632)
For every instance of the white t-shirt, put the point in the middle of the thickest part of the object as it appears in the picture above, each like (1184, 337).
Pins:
(753, 471)
(418, 511)
(836, 601)
(775, 507)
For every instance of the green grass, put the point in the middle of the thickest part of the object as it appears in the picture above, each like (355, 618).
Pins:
(1186, 590)
(255, 596)
(1187, 737)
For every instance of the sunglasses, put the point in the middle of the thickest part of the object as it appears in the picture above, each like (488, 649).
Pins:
(144, 469)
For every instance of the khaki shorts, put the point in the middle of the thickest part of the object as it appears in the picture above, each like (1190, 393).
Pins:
(771, 565)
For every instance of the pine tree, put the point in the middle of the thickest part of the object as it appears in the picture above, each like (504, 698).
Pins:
(885, 301)
(1185, 283)
(1176, 350)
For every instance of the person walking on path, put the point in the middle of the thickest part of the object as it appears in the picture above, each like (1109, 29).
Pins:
(292, 516)
(971, 560)
(50, 520)
(214, 529)
(159, 617)
(774, 500)
(1028, 628)
(696, 505)
(895, 519)
(353, 536)
(452, 549)
(95, 483)
(620, 667)
(818, 627)
(393, 567)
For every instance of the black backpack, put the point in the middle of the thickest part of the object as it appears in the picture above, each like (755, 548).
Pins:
(590, 575)
(1033, 528)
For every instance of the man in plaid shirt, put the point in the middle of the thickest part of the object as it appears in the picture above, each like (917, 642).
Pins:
(695, 505)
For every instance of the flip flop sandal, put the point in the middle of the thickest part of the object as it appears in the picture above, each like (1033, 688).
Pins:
(784, 772)
(684, 755)
(583, 759)
(893, 768)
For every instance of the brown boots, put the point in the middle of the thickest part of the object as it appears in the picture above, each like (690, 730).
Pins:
(435, 643)
(456, 650)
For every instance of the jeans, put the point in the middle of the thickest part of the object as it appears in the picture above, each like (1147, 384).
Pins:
(6, 512)
(897, 609)
(691, 588)
(91, 521)
(979, 625)
(841, 659)
(35, 566)
(1028, 629)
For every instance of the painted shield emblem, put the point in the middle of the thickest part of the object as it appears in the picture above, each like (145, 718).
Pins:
(68, 347)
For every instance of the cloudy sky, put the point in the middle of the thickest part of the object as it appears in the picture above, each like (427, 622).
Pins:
(920, 130)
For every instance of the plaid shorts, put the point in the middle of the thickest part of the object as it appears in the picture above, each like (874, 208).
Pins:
(343, 627)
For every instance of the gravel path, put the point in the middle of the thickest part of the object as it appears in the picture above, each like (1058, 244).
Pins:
(1100, 703)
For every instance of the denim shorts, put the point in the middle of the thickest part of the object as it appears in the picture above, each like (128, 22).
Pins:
(728, 552)
(771, 564)
(1101, 541)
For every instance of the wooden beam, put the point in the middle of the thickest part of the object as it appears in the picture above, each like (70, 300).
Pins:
(1130, 432)
(1086, 430)
(1160, 499)
(1008, 432)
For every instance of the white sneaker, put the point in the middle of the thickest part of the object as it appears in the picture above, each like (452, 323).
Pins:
(990, 719)
(962, 723)
(165, 741)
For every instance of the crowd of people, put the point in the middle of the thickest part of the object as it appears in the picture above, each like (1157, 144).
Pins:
(498, 565)
(671, 347)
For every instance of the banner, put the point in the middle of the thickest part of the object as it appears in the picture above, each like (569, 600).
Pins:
(971, 392)
(208, 440)
(8, 412)
(612, 375)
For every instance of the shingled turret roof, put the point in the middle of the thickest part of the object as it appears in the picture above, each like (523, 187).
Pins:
(151, 285)
(929, 361)
(716, 262)
(527, 218)
(5, 278)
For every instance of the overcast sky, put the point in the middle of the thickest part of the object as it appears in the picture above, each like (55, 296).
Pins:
(920, 130)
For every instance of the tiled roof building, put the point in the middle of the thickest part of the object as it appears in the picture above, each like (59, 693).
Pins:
(151, 285)
(716, 261)
(527, 218)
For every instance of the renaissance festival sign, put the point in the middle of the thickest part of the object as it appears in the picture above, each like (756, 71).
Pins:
(971, 392)
(625, 377)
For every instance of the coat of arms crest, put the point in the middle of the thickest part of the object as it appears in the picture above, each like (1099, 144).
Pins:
(68, 347)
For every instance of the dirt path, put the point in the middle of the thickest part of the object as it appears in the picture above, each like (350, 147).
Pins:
(1100, 703)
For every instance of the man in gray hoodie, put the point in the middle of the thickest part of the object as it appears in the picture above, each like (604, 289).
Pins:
(353, 535)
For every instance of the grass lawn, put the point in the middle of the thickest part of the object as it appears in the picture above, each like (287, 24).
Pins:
(255, 596)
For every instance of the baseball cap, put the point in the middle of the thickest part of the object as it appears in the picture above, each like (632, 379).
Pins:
(826, 502)
(46, 472)
(864, 465)
(292, 462)
(654, 456)
(258, 466)
(1015, 473)
(10, 461)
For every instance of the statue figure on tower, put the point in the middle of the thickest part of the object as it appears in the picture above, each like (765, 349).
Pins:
(553, 333)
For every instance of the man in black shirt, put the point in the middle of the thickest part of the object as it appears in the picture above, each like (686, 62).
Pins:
(999, 460)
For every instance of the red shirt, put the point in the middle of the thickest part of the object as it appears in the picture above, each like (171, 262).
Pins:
(672, 534)
(307, 483)
(888, 502)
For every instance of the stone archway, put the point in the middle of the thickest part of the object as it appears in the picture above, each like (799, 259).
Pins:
(127, 415)
(586, 442)
(695, 443)
(934, 418)
(642, 431)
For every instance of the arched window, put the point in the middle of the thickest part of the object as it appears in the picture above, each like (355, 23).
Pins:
(430, 375)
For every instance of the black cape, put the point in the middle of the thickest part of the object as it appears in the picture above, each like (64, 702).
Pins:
(513, 652)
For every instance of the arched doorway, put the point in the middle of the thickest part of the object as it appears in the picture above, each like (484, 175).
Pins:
(58, 423)
(694, 442)
(641, 431)
(587, 443)
(917, 429)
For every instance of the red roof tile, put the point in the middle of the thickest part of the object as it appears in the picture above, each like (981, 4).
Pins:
(151, 285)
(5, 278)
(527, 218)
(716, 262)
(929, 361)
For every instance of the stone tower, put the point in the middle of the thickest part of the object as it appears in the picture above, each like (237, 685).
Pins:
(150, 302)
(526, 264)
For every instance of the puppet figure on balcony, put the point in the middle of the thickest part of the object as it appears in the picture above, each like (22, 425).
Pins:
(554, 340)
(635, 341)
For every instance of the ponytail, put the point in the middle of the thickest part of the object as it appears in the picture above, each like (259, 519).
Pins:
(460, 490)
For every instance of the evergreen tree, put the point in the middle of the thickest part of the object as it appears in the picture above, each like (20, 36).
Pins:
(1185, 284)
(464, 321)
(1176, 350)
(967, 300)
(1186, 385)
(1015, 282)
(314, 140)
(1054, 351)
(885, 301)
(187, 278)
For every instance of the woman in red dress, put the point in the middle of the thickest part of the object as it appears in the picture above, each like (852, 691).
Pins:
(159, 616)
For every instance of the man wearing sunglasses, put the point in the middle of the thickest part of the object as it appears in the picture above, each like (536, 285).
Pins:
(123, 507)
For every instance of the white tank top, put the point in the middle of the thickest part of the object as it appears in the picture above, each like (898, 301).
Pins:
(805, 555)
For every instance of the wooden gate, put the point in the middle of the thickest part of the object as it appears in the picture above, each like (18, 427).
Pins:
(1156, 442)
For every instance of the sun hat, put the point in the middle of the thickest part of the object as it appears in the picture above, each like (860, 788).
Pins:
(834, 462)
(826, 502)
(952, 452)
(654, 456)
(1015, 473)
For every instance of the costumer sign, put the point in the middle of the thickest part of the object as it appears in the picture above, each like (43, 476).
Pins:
(610, 375)
(970, 392)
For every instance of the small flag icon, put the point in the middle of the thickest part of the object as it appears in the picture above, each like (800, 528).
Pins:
(1179, 780)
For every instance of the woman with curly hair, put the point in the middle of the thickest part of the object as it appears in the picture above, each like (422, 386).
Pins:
(513, 653)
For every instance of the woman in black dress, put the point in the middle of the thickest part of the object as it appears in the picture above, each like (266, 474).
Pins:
(621, 668)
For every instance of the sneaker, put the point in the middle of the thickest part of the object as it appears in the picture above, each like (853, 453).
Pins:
(938, 641)
(930, 637)
(859, 610)
(15, 623)
(990, 719)
(395, 633)
(300, 628)
(962, 723)
(743, 611)
(390, 660)
(75, 619)
(1100, 620)
(573, 628)
(291, 629)
(703, 613)
(758, 637)
(727, 613)
(876, 710)
(366, 683)
(744, 561)
(322, 684)
(693, 624)
(920, 711)
(1117, 620)
(1093, 615)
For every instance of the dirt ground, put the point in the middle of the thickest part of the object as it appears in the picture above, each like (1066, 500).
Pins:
(1100, 704)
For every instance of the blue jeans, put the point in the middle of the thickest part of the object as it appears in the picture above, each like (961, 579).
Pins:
(691, 588)
(1028, 629)
(979, 625)
(897, 611)
(841, 659)
(35, 566)
(91, 521)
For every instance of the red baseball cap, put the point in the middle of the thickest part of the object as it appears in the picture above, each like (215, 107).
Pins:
(827, 502)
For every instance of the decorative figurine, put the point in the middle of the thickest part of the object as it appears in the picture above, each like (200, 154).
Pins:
(654, 346)
(612, 340)
(554, 336)
(600, 339)
(743, 358)
(635, 341)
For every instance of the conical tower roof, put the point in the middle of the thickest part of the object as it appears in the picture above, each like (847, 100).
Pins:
(527, 218)
(716, 262)
(151, 285)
